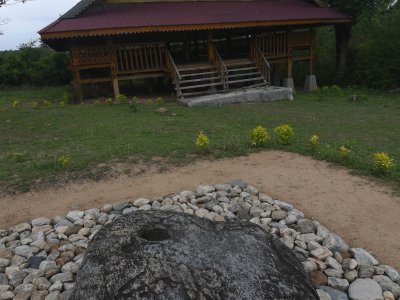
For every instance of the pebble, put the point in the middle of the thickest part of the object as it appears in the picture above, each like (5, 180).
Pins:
(278, 215)
(363, 258)
(365, 289)
(140, 202)
(338, 284)
(39, 259)
(321, 253)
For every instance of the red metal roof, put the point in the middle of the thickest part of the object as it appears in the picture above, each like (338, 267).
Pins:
(153, 14)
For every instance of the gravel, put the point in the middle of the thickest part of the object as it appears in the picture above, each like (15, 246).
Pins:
(40, 259)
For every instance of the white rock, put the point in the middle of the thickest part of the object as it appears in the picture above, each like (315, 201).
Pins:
(331, 262)
(321, 253)
(21, 227)
(365, 289)
(141, 201)
(202, 190)
(339, 284)
(363, 258)
(201, 212)
(284, 205)
(323, 295)
(75, 215)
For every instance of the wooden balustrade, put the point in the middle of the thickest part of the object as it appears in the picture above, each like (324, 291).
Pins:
(173, 72)
(220, 66)
(273, 45)
(139, 58)
(91, 55)
(260, 61)
(128, 59)
(301, 39)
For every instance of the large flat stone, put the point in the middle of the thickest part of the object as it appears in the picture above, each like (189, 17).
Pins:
(169, 255)
(251, 95)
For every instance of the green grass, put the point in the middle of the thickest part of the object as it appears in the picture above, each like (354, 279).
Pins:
(33, 140)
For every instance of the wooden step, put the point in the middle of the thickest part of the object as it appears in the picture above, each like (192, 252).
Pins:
(243, 74)
(237, 62)
(194, 68)
(200, 79)
(246, 80)
(242, 69)
(200, 85)
(198, 74)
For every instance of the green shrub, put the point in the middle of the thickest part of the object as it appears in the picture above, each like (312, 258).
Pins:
(16, 103)
(285, 134)
(202, 141)
(344, 151)
(35, 104)
(314, 141)
(382, 162)
(159, 101)
(108, 102)
(259, 136)
(121, 98)
(62, 103)
(47, 104)
(67, 97)
(64, 160)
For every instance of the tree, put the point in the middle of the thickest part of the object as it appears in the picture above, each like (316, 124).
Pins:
(357, 9)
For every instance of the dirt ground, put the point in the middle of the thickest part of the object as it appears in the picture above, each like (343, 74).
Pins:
(364, 213)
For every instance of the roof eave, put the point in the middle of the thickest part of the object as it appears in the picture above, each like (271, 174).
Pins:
(170, 28)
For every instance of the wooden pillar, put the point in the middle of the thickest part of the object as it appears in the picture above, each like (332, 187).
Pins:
(228, 43)
(115, 87)
(77, 83)
(311, 59)
(289, 71)
(186, 49)
(210, 45)
(114, 71)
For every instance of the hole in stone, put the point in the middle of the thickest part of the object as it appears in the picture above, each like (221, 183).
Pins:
(154, 234)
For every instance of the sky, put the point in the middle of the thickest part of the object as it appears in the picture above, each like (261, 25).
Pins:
(26, 19)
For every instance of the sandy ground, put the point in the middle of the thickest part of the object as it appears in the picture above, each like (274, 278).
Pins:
(364, 213)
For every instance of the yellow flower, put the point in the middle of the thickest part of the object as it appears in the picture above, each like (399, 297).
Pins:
(344, 151)
(202, 141)
(259, 136)
(314, 140)
(383, 162)
(285, 133)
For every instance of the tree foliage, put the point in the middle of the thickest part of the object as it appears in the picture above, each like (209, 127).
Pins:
(37, 65)
(356, 9)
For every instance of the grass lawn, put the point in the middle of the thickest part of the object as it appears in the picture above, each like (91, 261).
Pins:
(33, 140)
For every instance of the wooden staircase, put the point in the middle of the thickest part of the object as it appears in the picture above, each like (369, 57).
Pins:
(198, 80)
(243, 73)
(219, 75)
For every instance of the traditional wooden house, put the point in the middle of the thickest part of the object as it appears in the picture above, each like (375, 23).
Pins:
(204, 46)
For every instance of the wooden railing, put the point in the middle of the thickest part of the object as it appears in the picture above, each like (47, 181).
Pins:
(94, 55)
(273, 45)
(173, 72)
(301, 39)
(220, 66)
(260, 61)
(137, 58)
